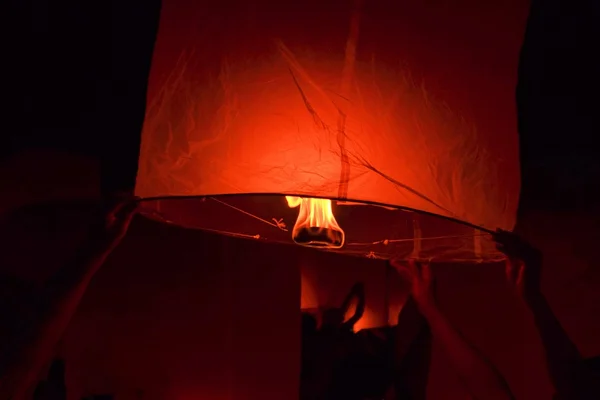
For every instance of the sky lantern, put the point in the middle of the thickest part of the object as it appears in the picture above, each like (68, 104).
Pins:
(374, 128)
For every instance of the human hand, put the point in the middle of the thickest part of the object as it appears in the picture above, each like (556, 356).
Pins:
(112, 225)
(356, 292)
(358, 288)
(523, 264)
(332, 318)
(421, 281)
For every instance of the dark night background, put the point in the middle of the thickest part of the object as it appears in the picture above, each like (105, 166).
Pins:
(76, 80)
(556, 100)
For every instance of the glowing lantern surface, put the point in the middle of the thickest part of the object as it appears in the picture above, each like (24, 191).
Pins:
(386, 124)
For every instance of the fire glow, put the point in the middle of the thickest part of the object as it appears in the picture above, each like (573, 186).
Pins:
(316, 225)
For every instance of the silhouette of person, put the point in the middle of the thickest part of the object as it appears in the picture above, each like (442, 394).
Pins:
(30, 345)
(326, 349)
(479, 376)
(573, 377)
(53, 388)
(334, 319)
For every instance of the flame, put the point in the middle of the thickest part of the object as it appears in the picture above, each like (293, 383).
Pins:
(316, 225)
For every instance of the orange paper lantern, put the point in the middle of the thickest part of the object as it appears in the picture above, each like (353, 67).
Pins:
(389, 126)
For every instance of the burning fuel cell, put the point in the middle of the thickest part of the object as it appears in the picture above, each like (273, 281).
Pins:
(316, 225)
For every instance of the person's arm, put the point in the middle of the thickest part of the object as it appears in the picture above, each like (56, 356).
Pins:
(568, 373)
(25, 355)
(481, 378)
(412, 353)
(358, 292)
(566, 367)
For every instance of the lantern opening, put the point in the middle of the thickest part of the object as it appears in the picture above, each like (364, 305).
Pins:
(316, 225)
(370, 230)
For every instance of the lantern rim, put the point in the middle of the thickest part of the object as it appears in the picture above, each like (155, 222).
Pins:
(335, 199)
